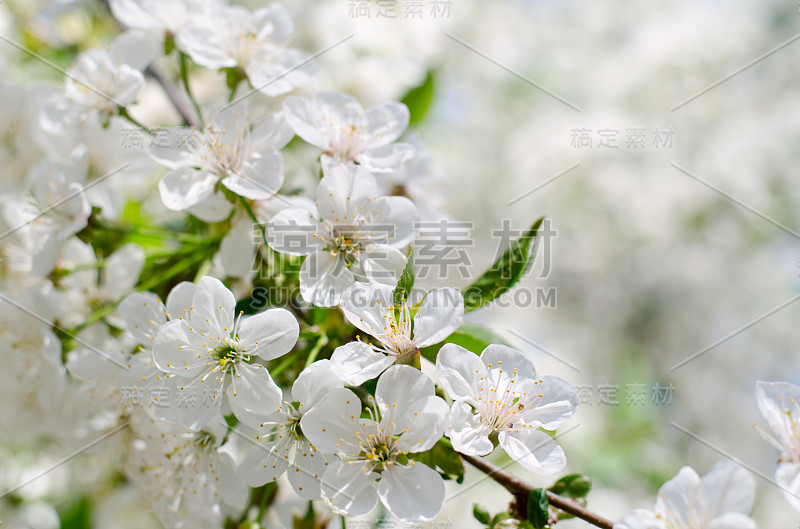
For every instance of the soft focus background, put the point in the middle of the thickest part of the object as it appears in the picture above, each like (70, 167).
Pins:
(686, 243)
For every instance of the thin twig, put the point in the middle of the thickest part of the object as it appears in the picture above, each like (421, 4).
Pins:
(518, 487)
(174, 96)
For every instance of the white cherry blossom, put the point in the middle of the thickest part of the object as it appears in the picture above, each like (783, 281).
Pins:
(499, 397)
(347, 133)
(85, 289)
(189, 478)
(282, 447)
(353, 235)
(216, 355)
(232, 151)
(407, 418)
(102, 80)
(257, 42)
(398, 335)
(779, 402)
(719, 500)
(170, 17)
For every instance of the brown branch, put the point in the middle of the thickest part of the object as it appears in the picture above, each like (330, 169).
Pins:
(174, 95)
(521, 489)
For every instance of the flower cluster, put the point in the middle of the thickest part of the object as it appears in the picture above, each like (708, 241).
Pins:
(134, 283)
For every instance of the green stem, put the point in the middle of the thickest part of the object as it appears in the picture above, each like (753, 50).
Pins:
(185, 79)
(170, 272)
(152, 232)
(322, 341)
(289, 360)
(95, 316)
(253, 217)
(123, 112)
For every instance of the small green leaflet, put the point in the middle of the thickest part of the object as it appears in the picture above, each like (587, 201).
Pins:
(506, 271)
(419, 99)
(406, 282)
(538, 509)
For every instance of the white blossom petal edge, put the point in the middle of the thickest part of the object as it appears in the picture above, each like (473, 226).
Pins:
(406, 417)
(499, 396)
(720, 499)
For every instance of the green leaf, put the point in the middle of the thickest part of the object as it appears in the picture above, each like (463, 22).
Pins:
(234, 76)
(406, 282)
(572, 486)
(470, 336)
(169, 44)
(538, 508)
(499, 517)
(481, 514)
(506, 271)
(418, 99)
(78, 516)
(443, 459)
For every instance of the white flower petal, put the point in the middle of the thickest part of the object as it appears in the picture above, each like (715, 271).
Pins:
(387, 122)
(347, 192)
(399, 386)
(383, 263)
(397, 218)
(732, 520)
(212, 307)
(441, 313)
(459, 372)
(265, 462)
(496, 355)
(676, 495)
(301, 117)
(305, 474)
(253, 390)
(558, 403)
(214, 208)
(324, 278)
(176, 349)
(357, 362)
(270, 134)
(414, 493)
(366, 306)
(179, 299)
(261, 178)
(467, 433)
(640, 519)
(184, 187)
(387, 158)
(293, 231)
(137, 49)
(349, 488)
(232, 490)
(275, 75)
(238, 249)
(776, 401)
(533, 449)
(144, 314)
(122, 270)
(201, 43)
(269, 334)
(314, 382)
(788, 477)
(426, 421)
(331, 425)
(728, 487)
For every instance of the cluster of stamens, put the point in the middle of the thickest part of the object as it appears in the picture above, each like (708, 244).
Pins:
(500, 405)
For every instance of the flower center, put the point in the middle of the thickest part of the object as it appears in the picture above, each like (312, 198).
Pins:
(502, 404)
(221, 155)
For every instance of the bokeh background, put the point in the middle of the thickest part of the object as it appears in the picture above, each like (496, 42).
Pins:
(686, 245)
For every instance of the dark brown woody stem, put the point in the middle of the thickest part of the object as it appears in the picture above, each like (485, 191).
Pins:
(518, 488)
